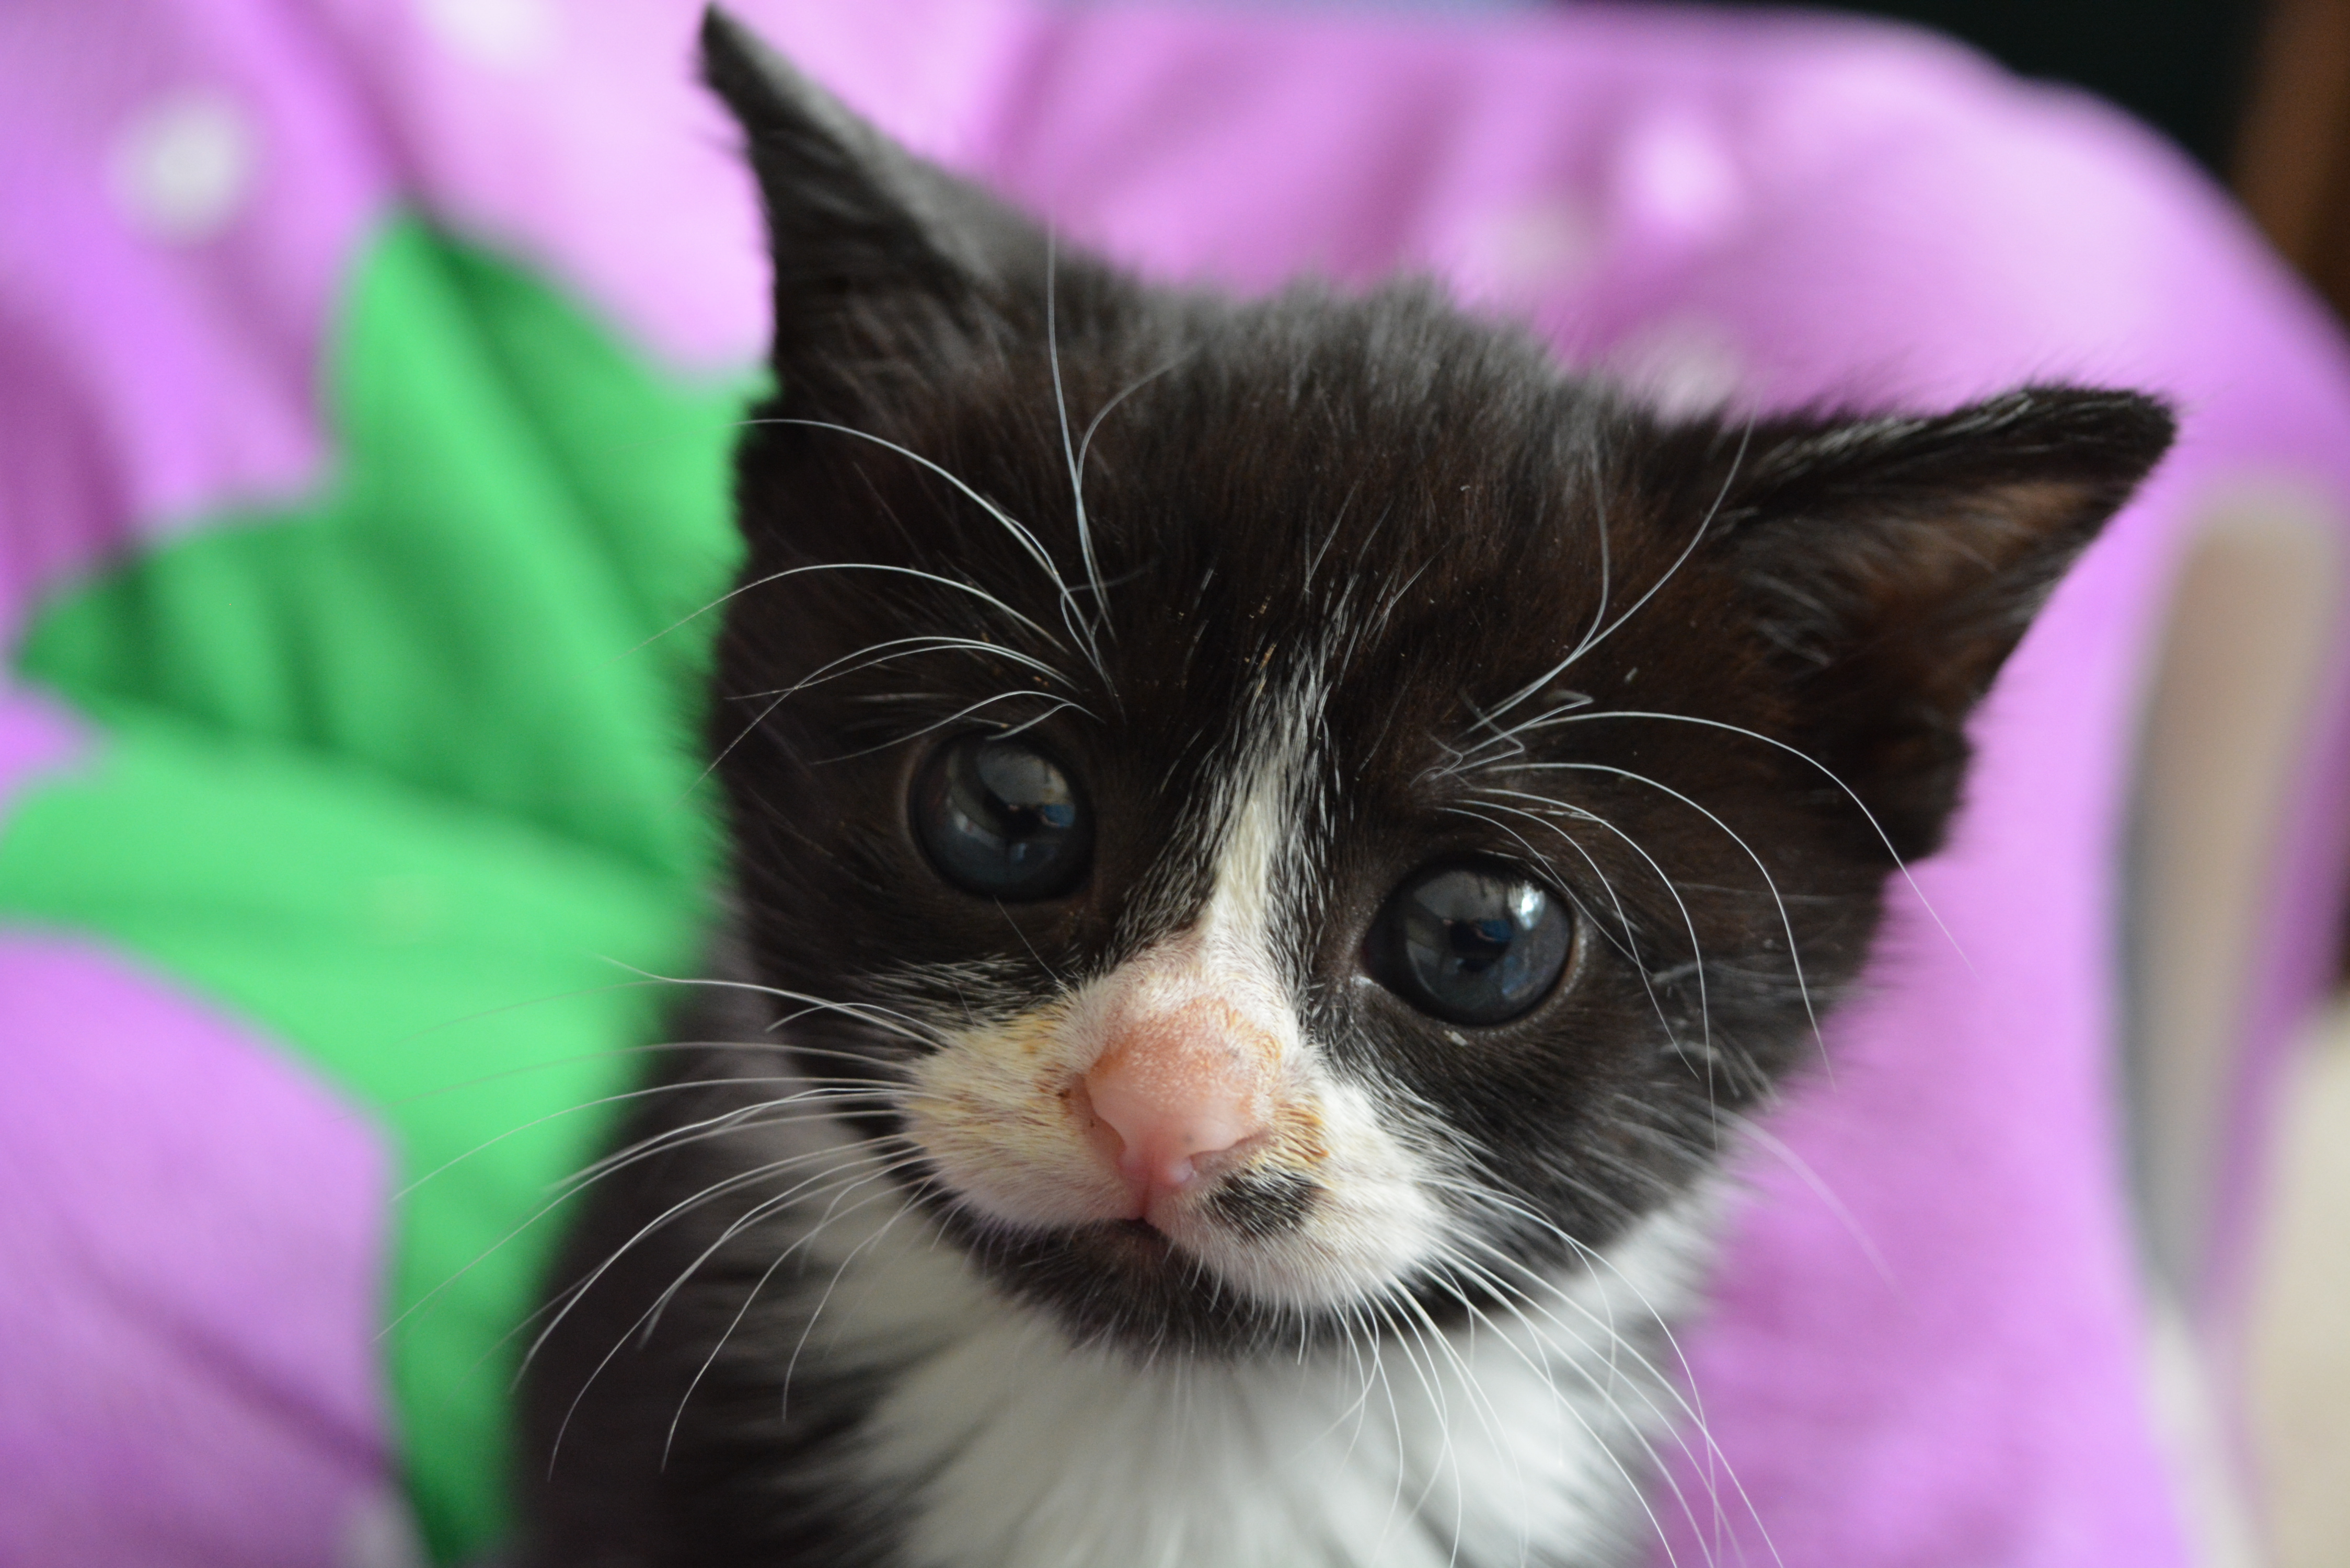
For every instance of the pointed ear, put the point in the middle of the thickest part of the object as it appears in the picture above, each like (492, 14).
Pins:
(881, 260)
(1896, 562)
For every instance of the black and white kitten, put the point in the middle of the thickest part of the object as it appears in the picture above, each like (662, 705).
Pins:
(1273, 842)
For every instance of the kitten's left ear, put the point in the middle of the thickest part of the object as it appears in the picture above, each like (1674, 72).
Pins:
(1896, 562)
(883, 262)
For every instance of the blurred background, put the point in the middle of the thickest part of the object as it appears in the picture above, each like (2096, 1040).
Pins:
(2258, 94)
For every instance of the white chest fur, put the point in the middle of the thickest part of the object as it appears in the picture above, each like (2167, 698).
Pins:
(1498, 1442)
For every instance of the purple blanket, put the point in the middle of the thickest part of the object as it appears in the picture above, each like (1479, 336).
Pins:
(1929, 1345)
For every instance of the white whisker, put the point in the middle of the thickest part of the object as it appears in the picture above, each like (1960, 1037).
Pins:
(1799, 755)
(1027, 541)
(1590, 641)
(1786, 921)
(1688, 922)
(741, 589)
(1061, 408)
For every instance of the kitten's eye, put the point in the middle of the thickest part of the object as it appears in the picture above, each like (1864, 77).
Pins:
(1001, 819)
(1474, 943)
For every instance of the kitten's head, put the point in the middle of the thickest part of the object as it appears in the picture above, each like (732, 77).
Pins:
(1288, 803)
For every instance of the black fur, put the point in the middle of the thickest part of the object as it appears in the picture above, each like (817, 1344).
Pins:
(1425, 507)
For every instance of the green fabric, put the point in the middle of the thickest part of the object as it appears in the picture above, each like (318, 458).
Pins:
(398, 775)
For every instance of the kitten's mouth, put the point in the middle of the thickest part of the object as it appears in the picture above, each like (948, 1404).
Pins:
(1137, 1240)
(1135, 1253)
(1125, 1282)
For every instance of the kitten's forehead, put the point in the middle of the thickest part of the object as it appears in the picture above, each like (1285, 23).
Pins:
(1264, 830)
(1221, 817)
(1260, 560)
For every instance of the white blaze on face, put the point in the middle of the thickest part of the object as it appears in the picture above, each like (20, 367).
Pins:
(1185, 1074)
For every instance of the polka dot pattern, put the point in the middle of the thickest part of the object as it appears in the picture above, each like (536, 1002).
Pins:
(184, 166)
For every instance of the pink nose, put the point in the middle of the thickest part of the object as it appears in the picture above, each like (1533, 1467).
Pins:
(1177, 1092)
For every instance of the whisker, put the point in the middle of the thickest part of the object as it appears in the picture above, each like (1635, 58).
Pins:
(1061, 408)
(1330, 537)
(1597, 1260)
(1629, 946)
(551, 1063)
(790, 1368)
(566, 1191)
(887, 1019)
(1468, 757)
(1780, 1150)
(1547, 1371)
(1590, 642)
(597, 1103)
(651, 1314)
(1518, 1302)
(1127, 391)
(561, 1302)
(1786, 921)
(757, 1116)
(1688, 922)
(1019, 531)
(1799, 755)
(1384, 1302)
(880, 653)
(741, 589)
(1053, 705)
(501, 1010)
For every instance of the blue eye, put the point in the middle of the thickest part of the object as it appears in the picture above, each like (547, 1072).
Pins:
(1474, 943)
(1001, 819)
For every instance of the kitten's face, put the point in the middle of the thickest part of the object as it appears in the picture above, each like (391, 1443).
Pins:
(1365, 848)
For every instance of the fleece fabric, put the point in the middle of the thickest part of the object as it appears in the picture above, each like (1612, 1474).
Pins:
(367, 373)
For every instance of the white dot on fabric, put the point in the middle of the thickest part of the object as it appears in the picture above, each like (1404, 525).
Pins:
(1553, 241)
(1678, 178)
(378, 1533)
(1684, 365)
(182, 167)
(505, 33)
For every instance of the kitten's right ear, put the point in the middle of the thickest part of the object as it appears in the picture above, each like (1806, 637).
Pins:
(882, 261)
(1894, 563)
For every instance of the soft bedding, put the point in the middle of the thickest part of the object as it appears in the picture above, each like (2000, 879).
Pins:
(366, 370)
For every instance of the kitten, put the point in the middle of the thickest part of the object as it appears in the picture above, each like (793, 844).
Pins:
(1274, 842)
